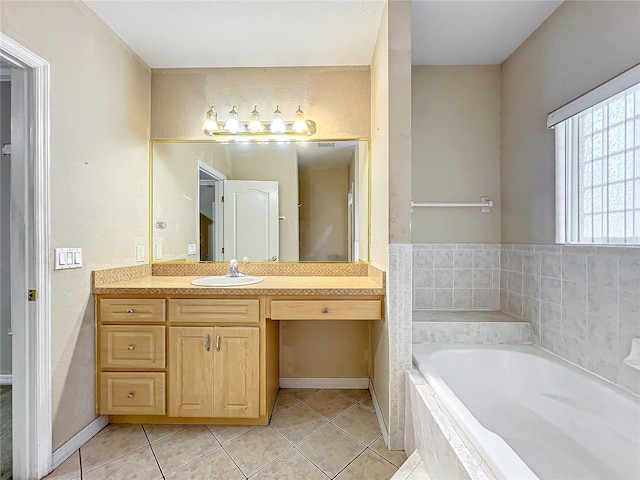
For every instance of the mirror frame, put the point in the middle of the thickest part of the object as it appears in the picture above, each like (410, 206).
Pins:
(226, 139)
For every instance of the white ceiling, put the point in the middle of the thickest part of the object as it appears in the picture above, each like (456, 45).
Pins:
(481, 32)
(245, 33)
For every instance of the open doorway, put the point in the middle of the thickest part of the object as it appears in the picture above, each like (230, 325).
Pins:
(210, 185)
(25, 237)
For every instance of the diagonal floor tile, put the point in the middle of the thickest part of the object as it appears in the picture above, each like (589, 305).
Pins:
(360, 422)
(291, 466)
(301, 393)
(138, 465)
(369, 466)
(215, 465)
(283, 402)
(354, 394)
(330, 449)
(226, 433)
(298, 423)
(183, 447)
(368, 402)
(112, 444)
(157, 432)
(329, 404)
(397, 457)
(68, 469)
(256, 448)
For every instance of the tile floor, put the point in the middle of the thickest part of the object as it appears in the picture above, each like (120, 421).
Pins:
(313, 435)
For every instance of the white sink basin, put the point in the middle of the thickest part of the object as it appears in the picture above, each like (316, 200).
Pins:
(223, 281)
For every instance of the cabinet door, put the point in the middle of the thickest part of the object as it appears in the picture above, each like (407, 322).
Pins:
(191, 371)
(236, 391)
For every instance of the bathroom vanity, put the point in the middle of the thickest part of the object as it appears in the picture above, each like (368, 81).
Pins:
(171, 352)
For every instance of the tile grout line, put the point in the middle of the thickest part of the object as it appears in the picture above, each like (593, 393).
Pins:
(152, 451)
(80, 461)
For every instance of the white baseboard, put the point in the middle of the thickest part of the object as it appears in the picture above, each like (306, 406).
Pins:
(6, 379)
(78, 440)
(356, 382)
(376, 405)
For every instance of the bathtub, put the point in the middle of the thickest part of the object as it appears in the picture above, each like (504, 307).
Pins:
(530, 414)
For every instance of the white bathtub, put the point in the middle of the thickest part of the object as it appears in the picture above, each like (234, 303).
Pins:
(532, 415)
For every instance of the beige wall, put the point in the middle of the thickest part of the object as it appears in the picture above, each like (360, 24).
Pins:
(581, 45)
(100, 103)
(455, 122)
(310, 349)
(336, 98)
(379, 247)
(323, 213)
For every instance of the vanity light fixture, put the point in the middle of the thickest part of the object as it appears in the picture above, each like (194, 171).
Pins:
(278, 126)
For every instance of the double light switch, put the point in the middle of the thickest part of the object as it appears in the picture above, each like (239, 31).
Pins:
(68, 258)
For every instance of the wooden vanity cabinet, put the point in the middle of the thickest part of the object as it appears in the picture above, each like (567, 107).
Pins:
(186, 360)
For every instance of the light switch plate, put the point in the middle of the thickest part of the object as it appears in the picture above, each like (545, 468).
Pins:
(67, 258)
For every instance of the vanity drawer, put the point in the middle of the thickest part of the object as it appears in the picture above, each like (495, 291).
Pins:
(203, 310)
(132, 346)
(132, 310)
(132, 393)
(326, 309)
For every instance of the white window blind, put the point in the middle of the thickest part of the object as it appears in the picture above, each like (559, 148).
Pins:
(598, 172)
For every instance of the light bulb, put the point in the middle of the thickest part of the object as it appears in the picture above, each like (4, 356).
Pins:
(300, 124)
(232, 125)
(210, 125)
(277, 125)
(255, 125)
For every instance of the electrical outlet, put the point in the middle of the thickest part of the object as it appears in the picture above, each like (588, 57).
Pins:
(158, 252)
(140, 253)
(191, 249)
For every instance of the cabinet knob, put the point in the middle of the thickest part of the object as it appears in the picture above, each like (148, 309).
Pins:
(130, 347)
(131, 310)
(325, 310)
(131, 395)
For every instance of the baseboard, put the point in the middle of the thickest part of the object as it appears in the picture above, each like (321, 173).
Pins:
(78, 440)
(356, 382)
(376, 405)
(6, 379)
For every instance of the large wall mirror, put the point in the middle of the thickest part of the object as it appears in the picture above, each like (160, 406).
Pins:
(274, 201)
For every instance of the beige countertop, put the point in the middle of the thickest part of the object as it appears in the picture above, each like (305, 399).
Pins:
(271, 285)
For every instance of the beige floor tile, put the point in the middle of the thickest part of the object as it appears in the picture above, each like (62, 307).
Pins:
(112, 444)
(368, 402)
(291, 466)
(283, 402)
(329, 404)
(370, 466)
(360, 422)
(355, 394)
(68, 469)
(157, 432)
(298, 423)
(215, 465)
(226, 433)
(109, 427)
(301, 393)
(331, 449)
(183, 447)
(256, 448)
(397, 457)
(138, 465)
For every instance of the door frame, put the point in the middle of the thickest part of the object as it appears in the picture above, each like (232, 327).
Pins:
(218, 181)
(30, 262)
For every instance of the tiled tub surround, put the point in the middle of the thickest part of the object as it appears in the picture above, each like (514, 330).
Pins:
(456, 276)
(583, 303)
(520, 412)
(469, 327)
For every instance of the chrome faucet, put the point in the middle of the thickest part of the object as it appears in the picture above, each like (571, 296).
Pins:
(233, 268)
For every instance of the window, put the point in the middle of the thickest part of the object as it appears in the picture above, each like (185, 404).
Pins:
(598, 172)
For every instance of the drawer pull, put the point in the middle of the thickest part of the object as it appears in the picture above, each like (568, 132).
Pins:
(207, 342)
(218, 342)
(131, 310)
(130, 347)
(131, 395)
(325, 310)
